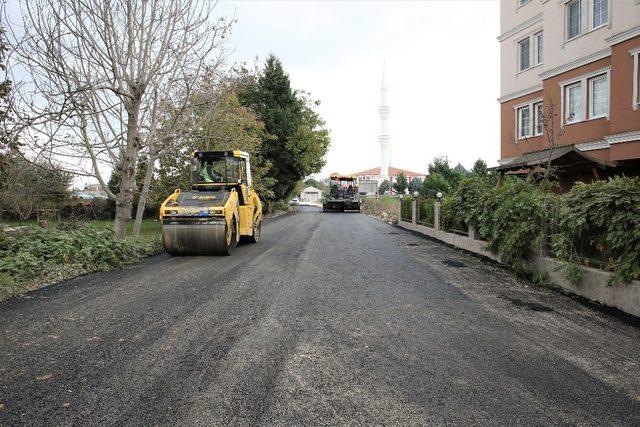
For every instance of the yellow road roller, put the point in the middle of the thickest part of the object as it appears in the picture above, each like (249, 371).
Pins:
(221, 209)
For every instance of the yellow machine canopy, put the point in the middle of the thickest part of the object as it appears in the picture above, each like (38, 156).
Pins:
(213, 168)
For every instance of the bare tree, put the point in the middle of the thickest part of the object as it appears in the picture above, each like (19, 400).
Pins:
(101, 71)
(180, 118)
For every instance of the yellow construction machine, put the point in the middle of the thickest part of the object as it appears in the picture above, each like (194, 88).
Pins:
(221, 209)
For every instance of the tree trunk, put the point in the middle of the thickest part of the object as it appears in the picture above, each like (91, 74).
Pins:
(142, 201)
(124, 201)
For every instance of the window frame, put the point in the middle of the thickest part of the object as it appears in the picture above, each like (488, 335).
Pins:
(529, 106)
(532, 39)
(536, 118)
(536, 37)
(520, 43)
(520, 127)
(635, 89)
(567, 90)
(591, 82)
(568, 19)
(585, 81)
(592, 15)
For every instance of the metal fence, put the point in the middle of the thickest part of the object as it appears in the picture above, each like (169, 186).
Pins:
(405, 209)
(425, 212)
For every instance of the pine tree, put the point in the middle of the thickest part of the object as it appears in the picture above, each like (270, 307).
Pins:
(277, 106)
(480, 168)
(415, 185)
(296, 139)
(384, 187)
(401, 184)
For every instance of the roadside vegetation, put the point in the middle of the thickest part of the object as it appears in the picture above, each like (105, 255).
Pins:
(383, 207)
(31, 256)
(595, 224)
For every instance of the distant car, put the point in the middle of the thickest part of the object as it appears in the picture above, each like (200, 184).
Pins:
(294, 202)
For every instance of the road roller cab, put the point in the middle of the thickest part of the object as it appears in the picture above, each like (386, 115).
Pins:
(220, 209)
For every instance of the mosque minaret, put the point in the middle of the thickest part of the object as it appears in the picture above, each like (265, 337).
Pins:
(384, 138)
(385, 172)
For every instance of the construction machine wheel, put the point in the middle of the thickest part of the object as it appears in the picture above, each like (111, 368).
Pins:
(231, 238)
(257, 230)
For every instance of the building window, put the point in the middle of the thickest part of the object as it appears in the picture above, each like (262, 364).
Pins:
(574, 106)
(635, 98)
(539, 48)
(574, 16)
(524, 47)
(598, 96)
(586, 97)
(524, 122)
(529, 120)
(538, 118)
(600, 13)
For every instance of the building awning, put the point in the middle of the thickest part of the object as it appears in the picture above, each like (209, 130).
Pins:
(568, 156)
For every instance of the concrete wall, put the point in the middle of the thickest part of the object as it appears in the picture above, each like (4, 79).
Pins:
(593, 285)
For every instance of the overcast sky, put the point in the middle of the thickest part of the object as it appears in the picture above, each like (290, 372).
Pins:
(442, 71)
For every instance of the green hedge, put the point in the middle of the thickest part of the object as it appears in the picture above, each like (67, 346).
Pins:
(601, 218)
(592, 220)
(426, 212)
(405, 208)
(510, 218)
(36, 255)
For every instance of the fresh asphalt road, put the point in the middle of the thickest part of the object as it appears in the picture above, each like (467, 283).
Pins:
(331, 319)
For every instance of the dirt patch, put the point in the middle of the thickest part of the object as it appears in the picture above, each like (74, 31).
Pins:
(453, 263)
(527, 305)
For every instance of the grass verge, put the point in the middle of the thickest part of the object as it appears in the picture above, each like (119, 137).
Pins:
(35, 257)
(383, 207)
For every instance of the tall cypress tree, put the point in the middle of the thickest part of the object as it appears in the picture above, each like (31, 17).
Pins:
(272, 98)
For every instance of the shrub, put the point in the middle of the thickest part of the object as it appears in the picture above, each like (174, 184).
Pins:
(7, 286)
(405, 208)
(426, 211)
(44, 255)
(510, 218)
(449, 214)
(602, 218)
(385, 207)
(513, 221)
(598, 221)
(433, 184)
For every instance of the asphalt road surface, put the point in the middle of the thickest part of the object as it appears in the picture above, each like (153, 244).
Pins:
(331, 319)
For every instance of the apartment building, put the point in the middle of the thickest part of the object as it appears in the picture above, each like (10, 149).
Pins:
(570, 87)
